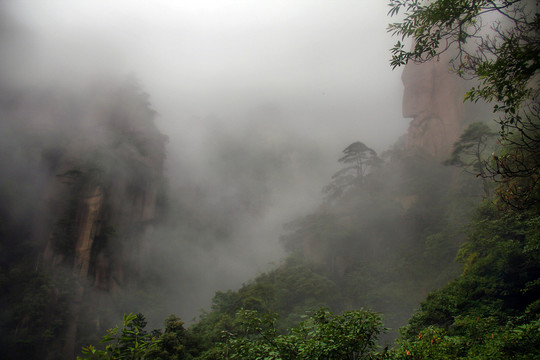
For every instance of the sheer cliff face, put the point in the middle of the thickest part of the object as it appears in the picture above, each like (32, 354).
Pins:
(82, 179)
(433, 98)
(84, 172)
(108, 168)
(110, 173)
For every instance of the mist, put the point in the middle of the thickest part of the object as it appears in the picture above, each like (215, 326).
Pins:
(257, 99)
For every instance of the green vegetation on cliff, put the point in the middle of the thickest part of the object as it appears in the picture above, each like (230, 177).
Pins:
(491, 311)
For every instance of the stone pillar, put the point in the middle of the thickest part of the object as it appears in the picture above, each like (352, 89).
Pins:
(87, 225)
(433, 98)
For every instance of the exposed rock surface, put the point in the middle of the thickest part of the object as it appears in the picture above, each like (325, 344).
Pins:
(433, 98)
(89, 166)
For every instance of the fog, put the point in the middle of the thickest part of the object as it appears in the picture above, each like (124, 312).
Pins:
(257, 98)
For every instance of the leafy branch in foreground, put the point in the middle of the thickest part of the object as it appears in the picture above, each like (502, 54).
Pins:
(496, 43)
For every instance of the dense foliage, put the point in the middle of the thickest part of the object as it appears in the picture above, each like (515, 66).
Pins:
(324, 335)
(491, 311)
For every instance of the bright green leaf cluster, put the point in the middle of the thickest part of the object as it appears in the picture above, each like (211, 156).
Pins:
(324, 335)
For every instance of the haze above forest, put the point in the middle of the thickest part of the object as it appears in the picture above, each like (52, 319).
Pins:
(243, 170)
(257, 98)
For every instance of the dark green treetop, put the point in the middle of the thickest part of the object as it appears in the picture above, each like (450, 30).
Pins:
(470, 152)
(359, 159)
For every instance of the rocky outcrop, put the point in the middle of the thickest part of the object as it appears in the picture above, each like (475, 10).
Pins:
(433, 98)
(86, 173)
(87, 227)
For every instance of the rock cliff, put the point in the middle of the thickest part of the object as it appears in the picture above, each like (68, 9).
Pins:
(85, 172)
(433, 98)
